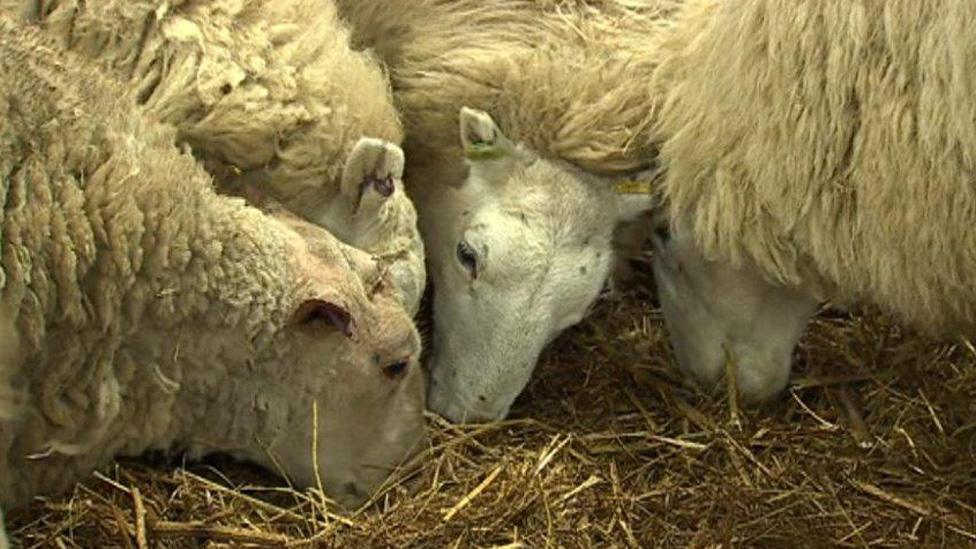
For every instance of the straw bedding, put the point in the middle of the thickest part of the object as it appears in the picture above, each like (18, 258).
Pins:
(875, 445)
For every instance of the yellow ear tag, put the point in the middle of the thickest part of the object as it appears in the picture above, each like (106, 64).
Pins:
(632, 187)
(483, 151)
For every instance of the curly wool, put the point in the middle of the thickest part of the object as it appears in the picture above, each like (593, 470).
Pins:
(832, 143)
(116, 256)
(94, 239)
(270, 88)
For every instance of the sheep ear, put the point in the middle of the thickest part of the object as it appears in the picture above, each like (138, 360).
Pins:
(372, 165)
(481, 138)
(490, 155)
(314, 313)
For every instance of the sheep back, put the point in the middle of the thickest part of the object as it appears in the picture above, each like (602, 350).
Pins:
(566, 78)
(267, 86)
(831, 142)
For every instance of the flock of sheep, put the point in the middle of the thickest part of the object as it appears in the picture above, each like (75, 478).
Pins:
(219, 216)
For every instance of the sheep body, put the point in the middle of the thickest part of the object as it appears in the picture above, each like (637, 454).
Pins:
(151, 313)
(266, 93)
(832, 145)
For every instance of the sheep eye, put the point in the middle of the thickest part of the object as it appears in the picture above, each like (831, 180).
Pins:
(467, 258)
(396, 369)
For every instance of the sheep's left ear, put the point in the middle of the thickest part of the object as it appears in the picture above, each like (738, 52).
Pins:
(634, 196)
(481, 138)
(314, 313)
(490, 154)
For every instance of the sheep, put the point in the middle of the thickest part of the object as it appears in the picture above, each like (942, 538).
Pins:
(150, 312)
(551, 102)
(814, 152)
(266, 93)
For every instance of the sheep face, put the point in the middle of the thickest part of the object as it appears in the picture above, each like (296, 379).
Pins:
(517, 254)
(720, 317)
(370, 403)
(351, 411)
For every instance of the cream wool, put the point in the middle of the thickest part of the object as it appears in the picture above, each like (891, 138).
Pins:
(266, 93)
(564, 78)
(256, 84)
(821, 151)
(152, 313)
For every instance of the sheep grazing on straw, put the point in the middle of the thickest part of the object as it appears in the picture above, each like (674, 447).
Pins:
(518, 211)
(813, 151)
(143, 311)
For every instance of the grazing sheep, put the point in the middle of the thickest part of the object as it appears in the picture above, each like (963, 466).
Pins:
(266, 93)
(814, 151)
(519, 245)
(151, 313)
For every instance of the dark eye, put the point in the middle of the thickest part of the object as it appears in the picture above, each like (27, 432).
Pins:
(467, 258)
(396, 369)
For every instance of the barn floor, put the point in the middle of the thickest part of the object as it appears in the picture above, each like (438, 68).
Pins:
(875, 445)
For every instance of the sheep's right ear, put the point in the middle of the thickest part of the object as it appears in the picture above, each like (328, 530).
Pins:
(481, 138)
(373, 164)
(314, 313)
(488, 152)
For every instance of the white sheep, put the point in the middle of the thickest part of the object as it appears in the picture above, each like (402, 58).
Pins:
(520, 245)
(151, 313)
(266, 92)
(814, 151)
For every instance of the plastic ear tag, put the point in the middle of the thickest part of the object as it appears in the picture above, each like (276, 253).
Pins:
(632, 187)
(483, 151)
